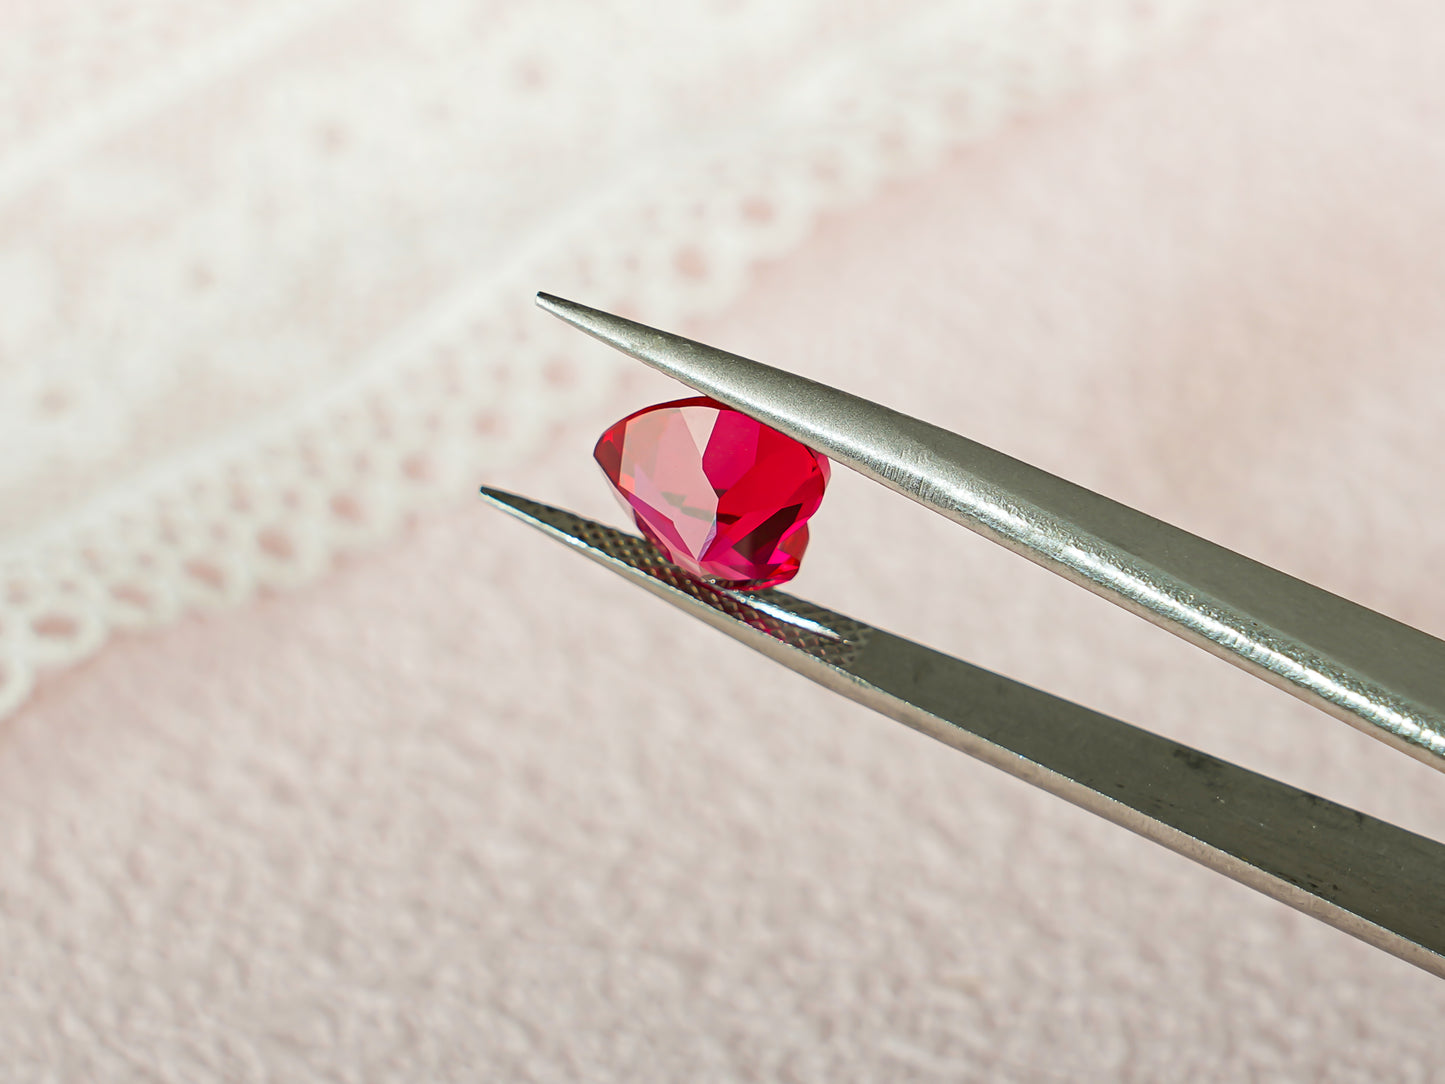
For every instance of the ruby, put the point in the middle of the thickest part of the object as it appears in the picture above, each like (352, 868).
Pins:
(724, 496)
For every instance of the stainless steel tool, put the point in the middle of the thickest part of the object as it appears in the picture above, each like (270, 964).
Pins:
(1369, 878)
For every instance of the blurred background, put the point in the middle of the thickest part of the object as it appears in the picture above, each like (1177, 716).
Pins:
(310, 768)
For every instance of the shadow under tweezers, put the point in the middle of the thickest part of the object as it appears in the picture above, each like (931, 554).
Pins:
(1381, 883)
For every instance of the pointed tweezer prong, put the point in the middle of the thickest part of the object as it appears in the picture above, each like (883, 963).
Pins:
(1379, 675)
(1368, 878)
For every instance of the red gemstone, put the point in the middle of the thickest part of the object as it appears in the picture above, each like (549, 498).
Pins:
(724, 496)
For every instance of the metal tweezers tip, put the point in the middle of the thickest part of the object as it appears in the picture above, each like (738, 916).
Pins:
(576, 315)
(527, 511)
(500, 498)
(647, 344)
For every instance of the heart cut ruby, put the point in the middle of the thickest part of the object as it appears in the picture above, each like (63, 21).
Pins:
(724, 496)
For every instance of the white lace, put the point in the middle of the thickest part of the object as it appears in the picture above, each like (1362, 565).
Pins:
(268, 266)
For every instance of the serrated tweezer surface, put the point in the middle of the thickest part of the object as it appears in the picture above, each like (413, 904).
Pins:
(1365, 876)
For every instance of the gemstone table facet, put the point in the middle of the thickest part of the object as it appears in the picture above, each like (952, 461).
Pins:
(724, 496)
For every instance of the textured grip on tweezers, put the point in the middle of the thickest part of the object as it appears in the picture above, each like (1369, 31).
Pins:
(1369, 878)
(830, 637)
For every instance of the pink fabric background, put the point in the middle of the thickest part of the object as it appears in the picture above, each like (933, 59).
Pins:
(469, 808)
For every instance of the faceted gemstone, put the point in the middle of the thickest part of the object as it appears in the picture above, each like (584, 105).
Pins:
(724, 496)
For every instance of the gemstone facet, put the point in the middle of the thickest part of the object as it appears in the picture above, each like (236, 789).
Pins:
(724, 496)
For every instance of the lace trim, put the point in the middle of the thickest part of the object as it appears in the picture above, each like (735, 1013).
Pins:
(433, 410)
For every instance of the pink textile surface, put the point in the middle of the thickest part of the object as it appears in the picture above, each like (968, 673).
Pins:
(467, 807)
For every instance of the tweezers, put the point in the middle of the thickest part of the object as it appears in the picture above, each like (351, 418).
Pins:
(1381, 883)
